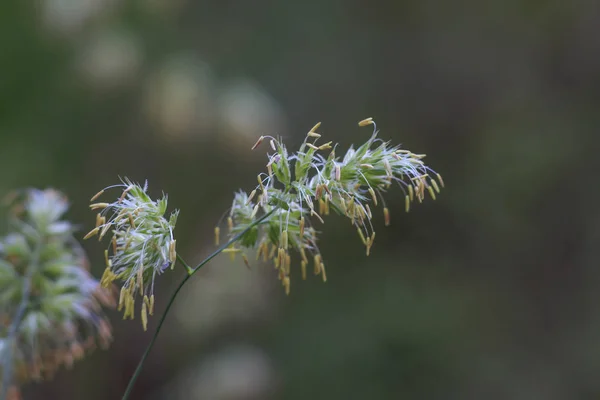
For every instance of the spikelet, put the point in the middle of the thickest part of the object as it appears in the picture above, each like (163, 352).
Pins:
(142, 244)
(350, 185)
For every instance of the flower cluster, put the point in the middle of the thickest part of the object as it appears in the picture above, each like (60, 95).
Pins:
(142, 244)
(50, 305)
(309, 183)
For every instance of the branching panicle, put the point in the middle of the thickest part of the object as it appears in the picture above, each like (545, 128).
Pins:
(51, 307)
(350, 185)
(141, 247)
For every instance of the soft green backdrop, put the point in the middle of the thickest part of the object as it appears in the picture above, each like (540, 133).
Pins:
(491, 292)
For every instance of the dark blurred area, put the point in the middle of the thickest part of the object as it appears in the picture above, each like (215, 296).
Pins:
(491, 292)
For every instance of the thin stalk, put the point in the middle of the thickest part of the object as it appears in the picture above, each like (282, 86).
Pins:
(188, 269)
(7, 363)
(190, 272)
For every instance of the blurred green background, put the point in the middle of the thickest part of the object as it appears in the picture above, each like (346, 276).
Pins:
(491, 292)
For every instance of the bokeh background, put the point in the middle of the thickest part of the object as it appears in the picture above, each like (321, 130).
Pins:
(491, 292)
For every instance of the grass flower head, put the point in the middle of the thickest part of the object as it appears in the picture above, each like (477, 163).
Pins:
(302, 187)
(50, 306)
(141, 246)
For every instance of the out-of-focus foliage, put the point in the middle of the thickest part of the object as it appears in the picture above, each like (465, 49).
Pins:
(491, 292)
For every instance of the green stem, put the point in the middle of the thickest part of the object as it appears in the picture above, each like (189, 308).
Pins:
(191, 271)
(7, 362)
(188, 269)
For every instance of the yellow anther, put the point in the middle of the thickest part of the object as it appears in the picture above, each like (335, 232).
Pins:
(217, 235)
(232, 252)
(254, 211)
(318, 191)
(105, 229)
(303, 269)
(388, 167)
(325, 146)
(140, 281)
(323, 274)
(321, 206)
(122, 295)
(439, 177)
(144, 317)
(282, 257)
(97, 206)
(97, 195)
(435, 185)
(284, 239)
(406, 203)
(288, 263)
(129, 306)
(125, 193)
(91, 233)
(286, 284)
(431, 192)
(106, 260)
(312, 212)
(343, 205)
(351, 207)
(260, 182)
(131, 221)
(386, 216)
(372, 192)
(303, 255)
(258, 142)
(172, 252)
(107, 278)
(317, 264)
(252, 194)
(314, 128)
(366, 121)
